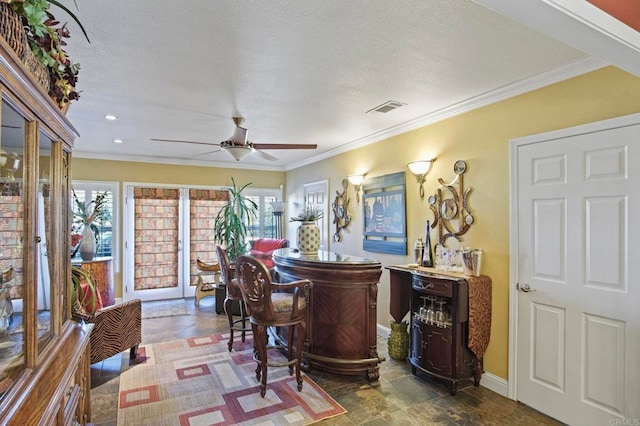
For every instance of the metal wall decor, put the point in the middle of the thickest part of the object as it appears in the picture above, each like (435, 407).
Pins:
(452, 215)
(341, 215)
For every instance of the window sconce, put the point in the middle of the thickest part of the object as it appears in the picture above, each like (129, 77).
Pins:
(420, 170)
(356, 181)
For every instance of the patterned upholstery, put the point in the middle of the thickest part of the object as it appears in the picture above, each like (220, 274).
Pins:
(283, 302)
(116, 328)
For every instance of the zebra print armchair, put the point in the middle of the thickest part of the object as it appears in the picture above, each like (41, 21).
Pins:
(116, 329)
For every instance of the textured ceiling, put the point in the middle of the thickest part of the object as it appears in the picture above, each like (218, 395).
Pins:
(299, 72)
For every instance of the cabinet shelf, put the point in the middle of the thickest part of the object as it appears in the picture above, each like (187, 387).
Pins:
(421, 320)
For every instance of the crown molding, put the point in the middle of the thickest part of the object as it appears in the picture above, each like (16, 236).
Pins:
(574, 69)
(178, 161)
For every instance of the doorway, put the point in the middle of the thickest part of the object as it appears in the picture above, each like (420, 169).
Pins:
(166, 230)
(574, 317)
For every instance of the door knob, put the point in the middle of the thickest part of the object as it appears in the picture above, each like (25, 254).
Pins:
(524, 287)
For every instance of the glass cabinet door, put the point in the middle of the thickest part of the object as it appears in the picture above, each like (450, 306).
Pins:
(12, 233)
(45, 251)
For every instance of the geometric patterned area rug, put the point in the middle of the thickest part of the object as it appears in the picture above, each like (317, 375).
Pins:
(197, 381)
(164, 308)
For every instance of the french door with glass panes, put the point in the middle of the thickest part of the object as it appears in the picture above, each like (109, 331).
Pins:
(167, 229)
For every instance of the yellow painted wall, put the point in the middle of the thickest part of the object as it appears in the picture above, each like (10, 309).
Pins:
(126, 171)
(481, 138)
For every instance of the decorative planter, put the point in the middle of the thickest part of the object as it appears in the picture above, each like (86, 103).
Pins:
(88, 244)
(308, 238)
(398, 341)
(12, 30)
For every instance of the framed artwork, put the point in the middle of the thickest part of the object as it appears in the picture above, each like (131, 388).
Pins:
(384, 212)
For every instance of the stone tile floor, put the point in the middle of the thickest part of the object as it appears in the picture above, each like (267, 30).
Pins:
(398, 398)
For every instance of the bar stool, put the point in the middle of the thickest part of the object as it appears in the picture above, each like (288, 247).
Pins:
(268, 307)
(233, 294)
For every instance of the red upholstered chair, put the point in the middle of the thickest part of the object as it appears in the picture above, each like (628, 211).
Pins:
(272, 305)
(263, 248)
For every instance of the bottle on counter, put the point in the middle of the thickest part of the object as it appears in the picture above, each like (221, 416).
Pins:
(418, 251)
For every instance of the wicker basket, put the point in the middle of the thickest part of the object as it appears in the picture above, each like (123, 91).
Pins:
(12, 30)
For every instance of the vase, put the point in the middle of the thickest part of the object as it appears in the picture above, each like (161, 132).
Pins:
(308, 238)
(398, 341)
(88, 244)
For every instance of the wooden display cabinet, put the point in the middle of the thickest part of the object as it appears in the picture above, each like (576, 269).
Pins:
(439, 342)
(44, 355)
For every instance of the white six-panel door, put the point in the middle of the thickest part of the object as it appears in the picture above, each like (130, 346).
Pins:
(577, 275)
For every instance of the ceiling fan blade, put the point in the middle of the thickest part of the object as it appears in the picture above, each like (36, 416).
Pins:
(284, 146)
(191, 142)
(206, 153)
(264, 155)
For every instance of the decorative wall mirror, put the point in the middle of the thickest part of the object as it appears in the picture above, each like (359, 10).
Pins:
(450, 206)
(341, 215)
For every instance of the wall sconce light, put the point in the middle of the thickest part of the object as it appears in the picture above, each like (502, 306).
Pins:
(420, 170)
(356, 181)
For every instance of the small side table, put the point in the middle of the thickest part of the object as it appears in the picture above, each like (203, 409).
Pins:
(101, 269)
(208, 280)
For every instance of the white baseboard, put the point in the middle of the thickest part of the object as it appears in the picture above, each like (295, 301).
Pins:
(488, 380)
(383, 331)
(495, 383)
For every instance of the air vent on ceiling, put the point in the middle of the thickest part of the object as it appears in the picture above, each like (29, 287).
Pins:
(386, 107)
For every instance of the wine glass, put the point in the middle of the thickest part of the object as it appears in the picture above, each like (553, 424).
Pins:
(423, 309)
(431, 311)
(441, 314)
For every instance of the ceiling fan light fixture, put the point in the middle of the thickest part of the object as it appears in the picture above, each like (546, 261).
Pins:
(238, 152)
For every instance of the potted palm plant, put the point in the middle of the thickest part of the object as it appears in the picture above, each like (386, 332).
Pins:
(233, 222)
(308, 233)
(90, 215)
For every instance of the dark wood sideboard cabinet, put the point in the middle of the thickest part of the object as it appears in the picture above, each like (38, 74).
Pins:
(44, 355)
(442, 346)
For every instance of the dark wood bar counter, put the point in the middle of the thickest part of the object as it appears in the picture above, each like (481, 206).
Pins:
(341, 325)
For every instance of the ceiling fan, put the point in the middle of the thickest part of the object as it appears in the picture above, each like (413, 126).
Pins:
(239, 147)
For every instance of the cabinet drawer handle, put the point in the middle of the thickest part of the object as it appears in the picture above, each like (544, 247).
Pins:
(426, 286)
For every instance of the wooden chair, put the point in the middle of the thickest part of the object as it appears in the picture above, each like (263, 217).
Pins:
(233, 294)
(268, 307)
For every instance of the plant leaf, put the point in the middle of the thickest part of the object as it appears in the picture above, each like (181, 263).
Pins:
(74, 17)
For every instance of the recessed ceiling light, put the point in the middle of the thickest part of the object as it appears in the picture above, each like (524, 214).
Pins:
(118, 141)
(110, 117)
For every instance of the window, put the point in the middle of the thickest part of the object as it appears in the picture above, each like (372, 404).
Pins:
(264, 226)
(108, 231)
